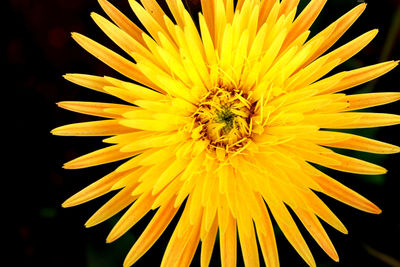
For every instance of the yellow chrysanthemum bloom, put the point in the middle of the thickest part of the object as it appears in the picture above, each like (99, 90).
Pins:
(227, 118)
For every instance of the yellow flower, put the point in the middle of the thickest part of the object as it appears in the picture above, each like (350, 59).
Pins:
(227, 117)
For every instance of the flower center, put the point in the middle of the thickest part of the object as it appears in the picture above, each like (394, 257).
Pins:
(224, 117)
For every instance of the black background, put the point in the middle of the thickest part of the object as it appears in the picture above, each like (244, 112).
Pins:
(39, 50)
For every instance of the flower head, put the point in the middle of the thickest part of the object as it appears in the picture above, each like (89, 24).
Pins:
(228, 118)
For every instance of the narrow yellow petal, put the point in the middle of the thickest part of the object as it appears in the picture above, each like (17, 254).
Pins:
(120, 37)
(190, 248)
(156, 154)
(353, 47)
(287, 6)
(168, 192)
(112, 59)
(219, 23)
(153, 231)
(195, 52)
(337, 29)
(147, 158)
(175, 65)
(89, 81)
(122, 21)
(150, 125)
(266, 237)
(208, 12)
(96, 189)
(148, 21)
(211, 207)
(316, 230)
(355, 142)
(120, 93)
(342, 193)
(120, 201)
(227, 242)
(353, 165)
(131, 92)
(314, 204)
(312, 153)
(176, 8)
(291, 232)
(362, 75)
(92, 108)
(169, 174)
(134, 175)
(239, 4)
(151, 141)
(98, 157)
(153, 8)
(248, 245)
(207, 40)
(153, 47)
(265, 9)
(150, 177)
(239, 60)
(304, 20)
(135, 212)
(92, 128)
(352, 120)
(181, 247)
(361, 101)
(207, 244)
(195, 207)
(226, 49)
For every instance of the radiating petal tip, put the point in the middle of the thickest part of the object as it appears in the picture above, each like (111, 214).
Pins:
(374, 209)
(75, 34)
(60, 131)
(344, 230)
(68, 203)
(90, 223)
(394, 149)
(110, 238)
(378, 211)
(335, 258)
(127, 262)
(373, 33)
(341, 228)
(65, 166)
(70, 165)
(65, 204)
(382, 170)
